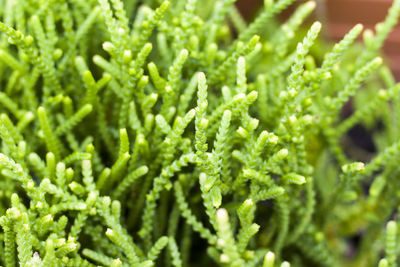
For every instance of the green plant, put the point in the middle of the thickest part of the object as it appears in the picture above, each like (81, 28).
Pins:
(145, 133)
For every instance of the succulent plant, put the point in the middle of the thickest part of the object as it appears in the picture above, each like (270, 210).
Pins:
(175, 133)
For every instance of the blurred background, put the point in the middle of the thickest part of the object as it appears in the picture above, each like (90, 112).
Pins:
(339, 16)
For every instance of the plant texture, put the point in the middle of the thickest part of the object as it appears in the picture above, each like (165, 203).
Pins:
(174, 133)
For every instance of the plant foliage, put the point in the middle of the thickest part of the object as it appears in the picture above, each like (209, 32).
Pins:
(173, 133)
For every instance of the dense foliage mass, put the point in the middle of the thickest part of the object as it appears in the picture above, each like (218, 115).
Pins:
(171, 133)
